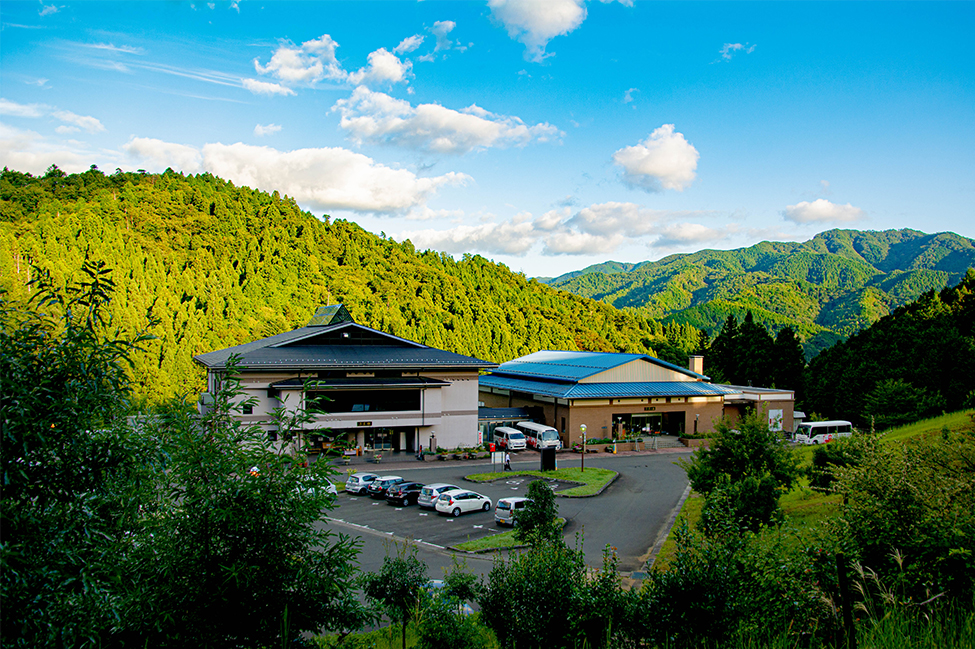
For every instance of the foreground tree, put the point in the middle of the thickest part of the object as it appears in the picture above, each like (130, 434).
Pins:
(156, 534)
(398, 585)
(747, 465)
(74, 475)
(235, 543)
(538, 521)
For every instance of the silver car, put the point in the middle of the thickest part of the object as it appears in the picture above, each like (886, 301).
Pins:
(430, 493)
(504, 513)
(359, 482)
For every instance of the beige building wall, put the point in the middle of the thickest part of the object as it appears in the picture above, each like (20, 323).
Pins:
(597, 413)
(449, 412)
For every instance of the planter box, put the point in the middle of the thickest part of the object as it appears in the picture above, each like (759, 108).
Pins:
(620, 447)
(692, 443)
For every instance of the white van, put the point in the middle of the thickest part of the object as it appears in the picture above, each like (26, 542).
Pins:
(509, 439)
(504, 512)
(540, 436)
(822, 432)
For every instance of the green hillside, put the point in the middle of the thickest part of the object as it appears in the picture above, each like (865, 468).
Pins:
(827, 288)
(221, 265)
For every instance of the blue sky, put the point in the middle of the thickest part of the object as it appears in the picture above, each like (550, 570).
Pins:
(547, 135)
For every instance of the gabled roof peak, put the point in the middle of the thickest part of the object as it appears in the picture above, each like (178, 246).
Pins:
(330, 315)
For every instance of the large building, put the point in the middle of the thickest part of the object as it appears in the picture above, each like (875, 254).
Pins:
(367, 387)
(615, 395)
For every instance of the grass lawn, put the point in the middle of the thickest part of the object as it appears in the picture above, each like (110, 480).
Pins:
(592, 479)
(806, 507)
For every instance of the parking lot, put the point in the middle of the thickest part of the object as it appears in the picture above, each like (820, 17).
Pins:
(629, 515)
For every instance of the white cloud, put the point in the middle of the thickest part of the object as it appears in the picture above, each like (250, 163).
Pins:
(384, 67)
(665, 160)
(85, 122)
(73, 120)
(728, 50)
(628, 95)
(14, 109)
(157, 155)
(376, 117)
(324, 178)
(822, 211)
(265, 87)
(47, 10)
(409, 44)
(569, 242)
(597, 229)
(28, 151)
(111, 47)
(690, 235)
(235, 6)
(315, 60)
(440, 30)
(607, 219)
(312, 61)
(535, 22)
(508, 238)
(270, 129)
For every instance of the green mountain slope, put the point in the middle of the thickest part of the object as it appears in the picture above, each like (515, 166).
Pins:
(221, 265)
(827, 288)
(915, 362)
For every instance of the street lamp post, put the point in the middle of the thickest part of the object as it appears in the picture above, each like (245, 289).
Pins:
(583, 429)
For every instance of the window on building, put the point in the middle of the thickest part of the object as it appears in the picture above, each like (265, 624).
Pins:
(364, 401)
(248, 409)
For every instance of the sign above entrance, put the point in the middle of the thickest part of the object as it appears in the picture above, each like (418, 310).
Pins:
(649, 408)
(363, 424)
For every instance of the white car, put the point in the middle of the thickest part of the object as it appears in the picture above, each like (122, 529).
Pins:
(309, 485)
(458, 501)
(359, 482)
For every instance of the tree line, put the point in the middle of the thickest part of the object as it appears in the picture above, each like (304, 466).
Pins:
(914, 363)
(221, 265)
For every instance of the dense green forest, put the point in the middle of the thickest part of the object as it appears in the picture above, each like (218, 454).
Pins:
(220, 265)
(826, 289)
(916, 362)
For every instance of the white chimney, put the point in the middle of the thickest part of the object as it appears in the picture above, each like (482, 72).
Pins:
(695, 364)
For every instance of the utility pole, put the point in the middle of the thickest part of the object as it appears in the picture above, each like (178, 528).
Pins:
(583, 429)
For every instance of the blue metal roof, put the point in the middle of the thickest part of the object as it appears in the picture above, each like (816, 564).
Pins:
(605, 390)
(574, 366)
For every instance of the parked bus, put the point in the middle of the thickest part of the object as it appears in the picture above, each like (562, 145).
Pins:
(540, 436)
(822, 432)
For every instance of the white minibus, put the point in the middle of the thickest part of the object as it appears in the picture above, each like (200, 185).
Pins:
(540, 436)
(823, 432)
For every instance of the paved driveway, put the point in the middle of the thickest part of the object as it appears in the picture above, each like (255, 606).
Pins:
(629, 515)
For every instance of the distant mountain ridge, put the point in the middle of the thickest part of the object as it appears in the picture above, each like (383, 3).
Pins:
(827, 288)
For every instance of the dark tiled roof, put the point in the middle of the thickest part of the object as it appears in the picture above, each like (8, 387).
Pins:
(565, 390)
(345, 345)
(502, 413)
(365, 382)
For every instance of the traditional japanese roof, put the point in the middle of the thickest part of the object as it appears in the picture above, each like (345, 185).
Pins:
(333, 341)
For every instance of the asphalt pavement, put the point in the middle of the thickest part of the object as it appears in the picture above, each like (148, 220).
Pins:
(629, 515)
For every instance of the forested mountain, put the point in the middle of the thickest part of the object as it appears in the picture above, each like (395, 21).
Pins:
(220, 265)
(827, 288)
(916, 362)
